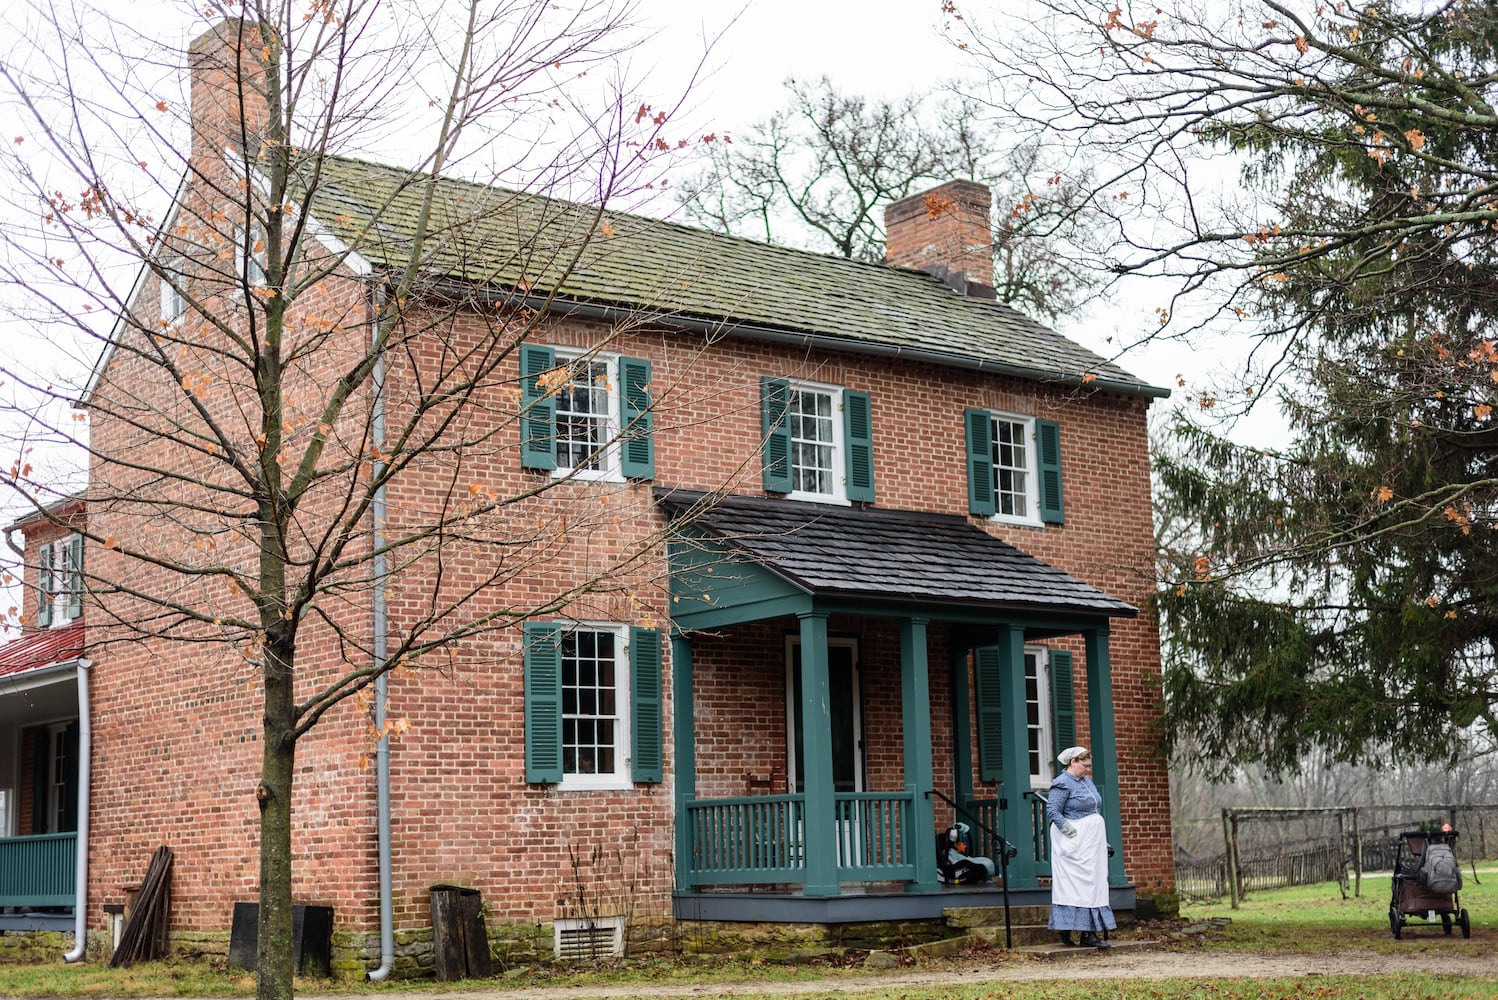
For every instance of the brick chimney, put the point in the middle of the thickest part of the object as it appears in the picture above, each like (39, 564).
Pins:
(945, 231)
(229, 108)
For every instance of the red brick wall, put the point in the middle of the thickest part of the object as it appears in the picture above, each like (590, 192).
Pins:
(177, 733)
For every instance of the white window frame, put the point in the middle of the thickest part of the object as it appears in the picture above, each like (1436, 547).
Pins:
(609, 468)
(7, 810)
(839, 470)
(621, 776)
(1038, 665)
(245, 255)
(173, 304)
(1031, 469)
(66, 579)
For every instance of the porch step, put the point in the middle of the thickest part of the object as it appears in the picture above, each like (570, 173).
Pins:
(962, 917)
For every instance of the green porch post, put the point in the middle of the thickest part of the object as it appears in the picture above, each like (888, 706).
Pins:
(1104, 745)
(1015, 811)
(962, 726)
(915, 705)
(684, 755)
(819, 795)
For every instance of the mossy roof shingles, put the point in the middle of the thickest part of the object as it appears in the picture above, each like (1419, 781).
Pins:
(493, 236)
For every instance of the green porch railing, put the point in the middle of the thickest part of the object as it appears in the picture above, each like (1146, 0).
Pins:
(987, 811)
(873, 836)
(39, 870)
(745, 840)
(758, 838)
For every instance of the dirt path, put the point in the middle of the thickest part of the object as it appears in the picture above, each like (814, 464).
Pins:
(1120, 964)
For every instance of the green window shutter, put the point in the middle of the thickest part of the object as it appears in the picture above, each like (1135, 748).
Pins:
(1063, 704)
(988, 681)
(69, 781)
(543, 702)
(75, 576)
(858, 437)
(980, 498)
(646, 744)
(1048, 437)
(636, 445)
(44, 586)
(538, 409)
(775, 400)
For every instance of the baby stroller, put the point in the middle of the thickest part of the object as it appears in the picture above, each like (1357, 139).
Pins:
(954, 865)
(1427, 881)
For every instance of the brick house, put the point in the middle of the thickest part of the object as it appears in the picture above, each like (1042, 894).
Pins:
(903, 536)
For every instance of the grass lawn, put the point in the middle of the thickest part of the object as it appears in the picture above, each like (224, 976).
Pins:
(1315, 918)
(1303, 920)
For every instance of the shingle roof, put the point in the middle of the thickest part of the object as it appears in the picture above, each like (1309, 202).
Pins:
(41, 648)
(685, 273)
(880, 553)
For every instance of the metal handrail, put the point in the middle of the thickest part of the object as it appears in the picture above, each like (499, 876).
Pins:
(1006, 851)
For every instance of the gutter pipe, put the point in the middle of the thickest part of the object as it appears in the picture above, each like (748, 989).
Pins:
(381, 652)
(85, 771)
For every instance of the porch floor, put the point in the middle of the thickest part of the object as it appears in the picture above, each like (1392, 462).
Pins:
(862, 903)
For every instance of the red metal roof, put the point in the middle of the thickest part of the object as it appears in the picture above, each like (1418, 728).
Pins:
(41, 648)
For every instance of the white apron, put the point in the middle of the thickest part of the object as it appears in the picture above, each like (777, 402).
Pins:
(1079, 865)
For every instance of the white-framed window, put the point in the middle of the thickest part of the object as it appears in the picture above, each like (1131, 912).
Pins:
(173, 305)
(1038, 716)
(7, 812)
(1015, 474)
(587, 416)
(250, 266)
(595, 707)
(818, 467)
(60, 581)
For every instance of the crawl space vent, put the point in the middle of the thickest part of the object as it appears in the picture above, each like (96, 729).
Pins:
(600, 937)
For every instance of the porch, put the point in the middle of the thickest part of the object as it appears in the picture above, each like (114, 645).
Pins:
(38, 879)
(924, 631)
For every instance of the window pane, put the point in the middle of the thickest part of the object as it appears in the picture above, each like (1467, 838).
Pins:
(583, 417)
(812, 442)
(590, 702)
(1011, 462)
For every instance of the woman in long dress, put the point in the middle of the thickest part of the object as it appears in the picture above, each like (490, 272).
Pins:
(1079, 853)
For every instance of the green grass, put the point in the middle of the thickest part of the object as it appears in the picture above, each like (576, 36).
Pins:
(1315, 918)
(1301, 920)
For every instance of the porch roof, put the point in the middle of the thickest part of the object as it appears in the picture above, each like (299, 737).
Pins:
(866, 554)
(41, 648)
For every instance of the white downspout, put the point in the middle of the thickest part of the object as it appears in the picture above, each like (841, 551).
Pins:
(85, 759)
(381, 651)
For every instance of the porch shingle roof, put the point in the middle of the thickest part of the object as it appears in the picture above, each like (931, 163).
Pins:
(881, 553)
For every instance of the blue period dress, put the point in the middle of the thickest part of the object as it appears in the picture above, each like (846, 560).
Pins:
(1079, 865)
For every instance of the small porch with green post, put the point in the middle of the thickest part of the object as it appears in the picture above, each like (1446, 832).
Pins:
(820, 854)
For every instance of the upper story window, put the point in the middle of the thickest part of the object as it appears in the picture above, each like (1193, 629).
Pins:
(60, 581)
(1013, 467)
(586, 414)
(818, 441)
(249, 256)
(587, 408)
(173, 305)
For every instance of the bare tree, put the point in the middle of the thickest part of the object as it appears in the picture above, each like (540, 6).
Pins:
(820, 172)
(312, 364)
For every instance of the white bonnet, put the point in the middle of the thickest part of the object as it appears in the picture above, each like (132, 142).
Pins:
(1070, 754)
